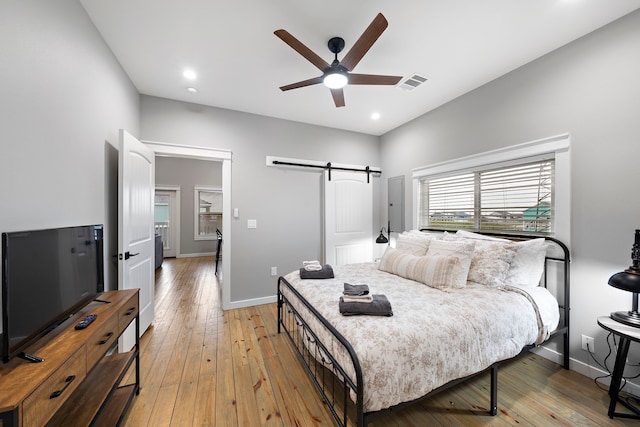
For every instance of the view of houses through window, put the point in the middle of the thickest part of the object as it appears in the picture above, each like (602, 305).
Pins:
(208, 212)
(515, 198)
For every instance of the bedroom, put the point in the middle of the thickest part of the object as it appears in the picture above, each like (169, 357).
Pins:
(65, 97)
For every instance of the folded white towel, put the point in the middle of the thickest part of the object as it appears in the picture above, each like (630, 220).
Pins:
(358, 298)
(312, 265)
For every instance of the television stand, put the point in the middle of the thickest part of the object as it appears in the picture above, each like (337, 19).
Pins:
(82, 380)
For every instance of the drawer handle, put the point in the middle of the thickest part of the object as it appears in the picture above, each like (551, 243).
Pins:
(68, 381)
(106, 338)
(130, 312)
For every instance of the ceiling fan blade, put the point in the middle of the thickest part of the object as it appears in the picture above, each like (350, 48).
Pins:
(364, 43)
(303, 50)
(373, 79)
(338, 97)
(303, 83)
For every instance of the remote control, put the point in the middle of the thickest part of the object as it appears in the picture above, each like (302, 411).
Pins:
(31, 357)
(86, 321)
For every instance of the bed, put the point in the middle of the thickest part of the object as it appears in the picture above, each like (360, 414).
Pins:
(441, 332)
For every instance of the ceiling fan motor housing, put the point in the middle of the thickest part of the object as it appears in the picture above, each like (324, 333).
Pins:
(336, 44)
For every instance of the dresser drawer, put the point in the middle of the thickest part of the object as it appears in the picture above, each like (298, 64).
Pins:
(128, 312)
(40, 405)
(101, 340)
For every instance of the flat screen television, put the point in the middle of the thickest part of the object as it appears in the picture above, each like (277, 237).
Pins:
(47, 276)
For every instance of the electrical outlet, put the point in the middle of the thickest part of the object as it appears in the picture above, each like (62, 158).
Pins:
(274, 271)
(588, 341)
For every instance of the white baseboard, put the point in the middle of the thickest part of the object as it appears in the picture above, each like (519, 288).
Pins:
(252, 302)
(589, 371)
(196, 255)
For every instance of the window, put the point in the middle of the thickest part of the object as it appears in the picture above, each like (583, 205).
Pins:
(514, 198)
(524, 188)
(208, 210)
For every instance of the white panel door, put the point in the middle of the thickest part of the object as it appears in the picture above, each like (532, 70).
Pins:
(348, 218)
(136, 235)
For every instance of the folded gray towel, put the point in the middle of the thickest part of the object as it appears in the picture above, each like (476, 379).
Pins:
(380, 306)
(325, 273)
(355, 290)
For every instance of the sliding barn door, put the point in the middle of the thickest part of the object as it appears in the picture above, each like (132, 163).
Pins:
(348, 218)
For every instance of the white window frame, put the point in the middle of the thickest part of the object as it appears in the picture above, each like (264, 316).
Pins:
(196, 218)
(556, 146)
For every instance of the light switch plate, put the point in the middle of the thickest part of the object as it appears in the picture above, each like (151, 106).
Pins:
(252, 223)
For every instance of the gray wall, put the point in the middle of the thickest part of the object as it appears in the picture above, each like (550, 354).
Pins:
(63, 99)
(187, 174)
(285, 203)
(589, 88)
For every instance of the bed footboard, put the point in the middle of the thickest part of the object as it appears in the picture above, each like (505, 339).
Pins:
(329, 376)
(331, 379)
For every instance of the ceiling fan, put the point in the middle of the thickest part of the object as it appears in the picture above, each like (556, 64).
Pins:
(338, 74)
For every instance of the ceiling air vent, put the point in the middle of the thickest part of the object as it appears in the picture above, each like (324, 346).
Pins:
(412, 82)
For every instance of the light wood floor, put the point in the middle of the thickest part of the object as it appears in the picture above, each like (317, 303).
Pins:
(203, 367)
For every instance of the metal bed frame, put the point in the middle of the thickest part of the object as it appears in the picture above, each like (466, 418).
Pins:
(335, 385)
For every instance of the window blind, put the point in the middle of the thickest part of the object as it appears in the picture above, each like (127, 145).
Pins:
(516, 198)
(449, 201)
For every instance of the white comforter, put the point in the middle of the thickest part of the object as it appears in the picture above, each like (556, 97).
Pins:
(433, 336)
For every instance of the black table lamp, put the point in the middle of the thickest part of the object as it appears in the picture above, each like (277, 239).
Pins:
(629, 280)
(382, 238)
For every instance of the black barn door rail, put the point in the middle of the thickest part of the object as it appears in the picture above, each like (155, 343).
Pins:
(329, 167)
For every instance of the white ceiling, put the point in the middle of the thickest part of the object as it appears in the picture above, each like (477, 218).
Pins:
(240, 64)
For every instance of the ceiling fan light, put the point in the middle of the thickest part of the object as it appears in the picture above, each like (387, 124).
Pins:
(335, 79)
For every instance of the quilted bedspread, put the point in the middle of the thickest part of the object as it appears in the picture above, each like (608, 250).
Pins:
(433, 337)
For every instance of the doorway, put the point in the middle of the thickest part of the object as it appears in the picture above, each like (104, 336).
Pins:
(224, 156)
(167, 219)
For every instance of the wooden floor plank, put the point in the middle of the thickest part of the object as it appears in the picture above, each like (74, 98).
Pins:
(202, 366)
(226, 404)
(205, 405)
(162, 412)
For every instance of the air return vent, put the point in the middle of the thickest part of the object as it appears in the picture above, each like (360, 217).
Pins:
(412, 82)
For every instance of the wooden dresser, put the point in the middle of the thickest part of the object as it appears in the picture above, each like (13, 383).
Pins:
(81, 381)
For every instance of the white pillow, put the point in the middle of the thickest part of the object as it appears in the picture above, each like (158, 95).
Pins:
(414, 231)
(528, 264)
(437, 272)
(413, 243)
(463, 250)
(471, 235)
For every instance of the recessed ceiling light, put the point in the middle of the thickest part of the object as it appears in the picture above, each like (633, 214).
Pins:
(189, 74)
(375, 116)
(192, 89)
